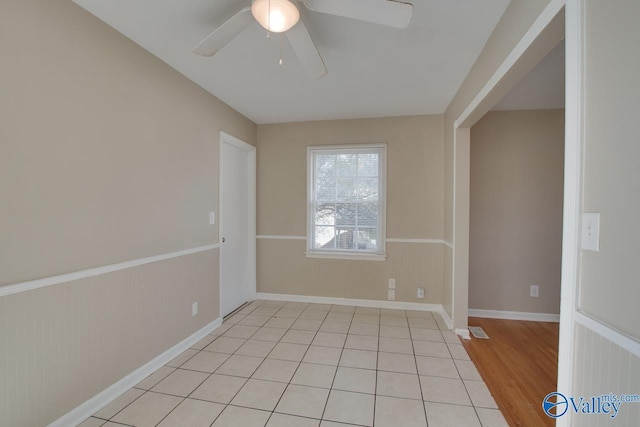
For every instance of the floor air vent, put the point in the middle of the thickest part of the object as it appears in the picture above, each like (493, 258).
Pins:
(478, 332)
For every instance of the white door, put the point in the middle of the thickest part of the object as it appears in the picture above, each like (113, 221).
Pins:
(237, 223)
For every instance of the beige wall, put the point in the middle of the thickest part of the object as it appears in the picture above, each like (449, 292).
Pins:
(63, 344)
(609, 287)
(515, 239)
(284, 268)
(414, 208)
(106, 155)
(515, 21)
(414, 172)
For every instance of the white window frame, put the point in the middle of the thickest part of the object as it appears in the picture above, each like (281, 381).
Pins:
(348, 254)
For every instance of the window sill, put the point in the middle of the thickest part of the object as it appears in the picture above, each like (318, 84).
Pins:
(347, 256)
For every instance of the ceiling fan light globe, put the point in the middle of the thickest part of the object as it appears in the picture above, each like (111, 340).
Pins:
(276, 16)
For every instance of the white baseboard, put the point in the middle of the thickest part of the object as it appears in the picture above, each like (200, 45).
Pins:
(515, 315)
(398, 305)
(464, 333)
(446, 318)
(102, 399)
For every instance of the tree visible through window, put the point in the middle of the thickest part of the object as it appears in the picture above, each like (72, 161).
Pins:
(346, 199)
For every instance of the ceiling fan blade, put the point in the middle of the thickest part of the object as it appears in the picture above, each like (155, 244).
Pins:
(306, 51)
(224, 33)
(384, 12)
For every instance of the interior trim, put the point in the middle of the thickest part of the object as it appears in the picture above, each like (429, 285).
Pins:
(477, 107)
(344, 255)
(274, 237)
(389, 239)
(111, 393)
(396, 305)
(463, 333)
(630, 344)
(425, 241)
(515, 315)
(97, 271)
(572, 209)
(446, 317)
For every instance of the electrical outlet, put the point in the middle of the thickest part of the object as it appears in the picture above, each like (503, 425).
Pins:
(391, 295)
(591, 231)
(194, 308)
(420, 292)
(534, 291)
(392, 283)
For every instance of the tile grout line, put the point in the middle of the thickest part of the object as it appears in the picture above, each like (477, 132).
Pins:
(246, 379)
(301, 361)
(265, 359)
(237, 311)
(233, 314)
(424, 406)
(126, 406)
(298, 367)
(339, 359)
(375, 390)
(325, 318)
(192, 391)
(475, 409)
(335, 374)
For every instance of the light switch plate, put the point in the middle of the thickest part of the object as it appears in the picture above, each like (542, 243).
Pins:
(591, 231)
(212, 218)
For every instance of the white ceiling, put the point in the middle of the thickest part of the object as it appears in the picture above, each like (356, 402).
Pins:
(374, 71)
(542, 88)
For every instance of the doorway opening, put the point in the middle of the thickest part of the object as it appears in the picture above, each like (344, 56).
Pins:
(500, 276)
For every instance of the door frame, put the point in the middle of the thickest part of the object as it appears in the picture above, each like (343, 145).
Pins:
(226, 138)
(543, 35)
(523, 57)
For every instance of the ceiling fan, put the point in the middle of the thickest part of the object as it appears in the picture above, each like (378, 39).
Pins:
(279, 16)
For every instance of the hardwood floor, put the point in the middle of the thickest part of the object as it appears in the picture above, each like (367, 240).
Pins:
(519, 364)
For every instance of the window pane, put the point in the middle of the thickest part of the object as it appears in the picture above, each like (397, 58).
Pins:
(367, 239)
(368, 164)
(346, 213)
(326, 189)
(324, 238)
(367, 189)
(346, 199)
(368, 215)
(325, 214)
(347, 189)
(345, 238)
(325, 165)
(347, 164)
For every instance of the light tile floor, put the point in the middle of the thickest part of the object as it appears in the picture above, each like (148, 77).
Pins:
(281, 364)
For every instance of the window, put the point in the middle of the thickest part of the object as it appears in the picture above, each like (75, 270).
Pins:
(346, 201)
